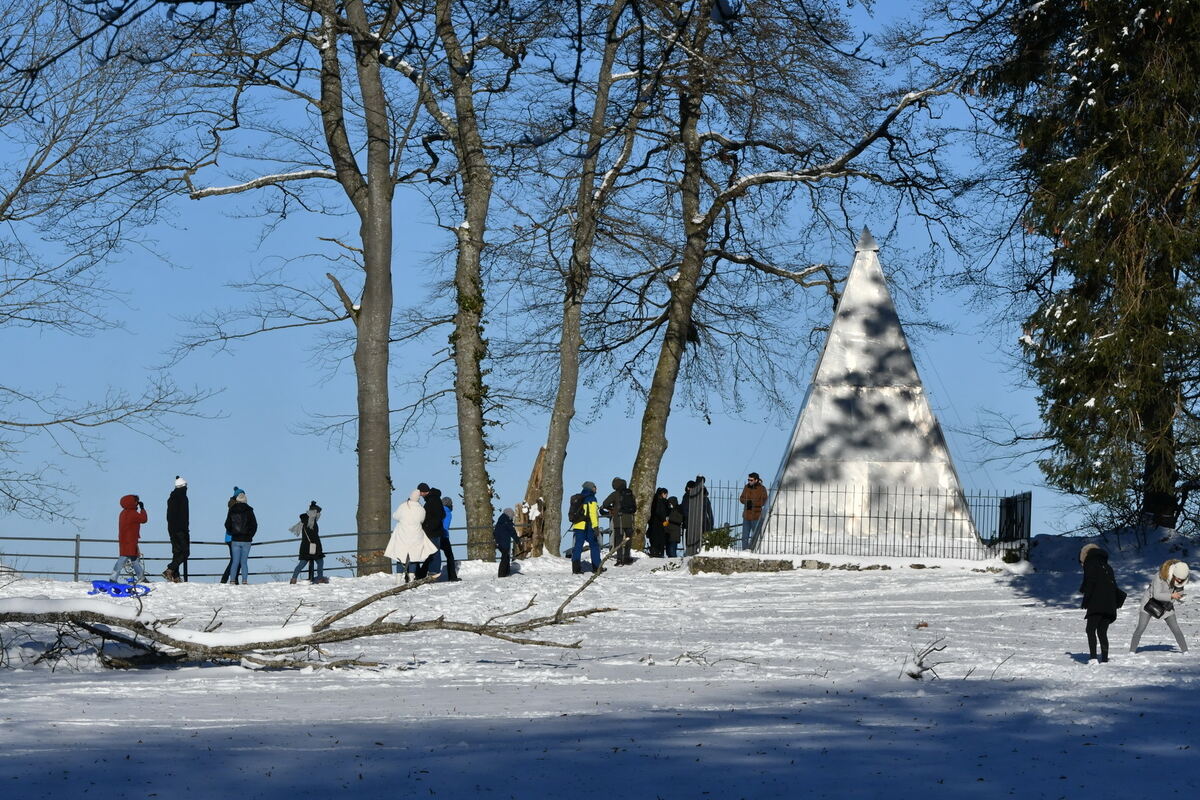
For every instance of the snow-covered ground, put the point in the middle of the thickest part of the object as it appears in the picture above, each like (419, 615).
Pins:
(772, 685)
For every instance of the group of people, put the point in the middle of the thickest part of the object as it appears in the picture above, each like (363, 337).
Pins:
(422, 535)
(671, 522)
(240, 527)
(1102, 597)
(420, 541)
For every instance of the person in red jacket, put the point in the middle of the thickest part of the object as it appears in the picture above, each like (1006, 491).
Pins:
(129, 529)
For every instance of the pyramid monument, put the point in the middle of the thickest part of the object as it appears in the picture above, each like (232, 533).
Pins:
(867, 470)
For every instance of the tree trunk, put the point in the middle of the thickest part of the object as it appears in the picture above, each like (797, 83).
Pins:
(372, 200)
(587, 204)
(1160, 468)
(468, 344)
(653, 442)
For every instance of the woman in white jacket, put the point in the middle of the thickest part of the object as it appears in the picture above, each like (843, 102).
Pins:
(1166, 587)
(409, 544)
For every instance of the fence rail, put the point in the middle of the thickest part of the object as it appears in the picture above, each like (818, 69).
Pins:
(87, 558)
(880, 521)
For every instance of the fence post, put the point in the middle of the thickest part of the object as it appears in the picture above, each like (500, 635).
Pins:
(77, 557)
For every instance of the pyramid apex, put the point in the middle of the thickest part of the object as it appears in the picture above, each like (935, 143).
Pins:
(866, 242)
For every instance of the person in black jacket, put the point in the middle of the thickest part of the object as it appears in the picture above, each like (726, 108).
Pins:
(177, 530)
(435, 516)
(505, 534)
(619, 507)
(1101, 598)
(311, 551)
(656, 530)
(241, 525)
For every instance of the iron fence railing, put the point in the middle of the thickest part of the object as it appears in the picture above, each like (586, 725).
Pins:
(879, 521)
(87, 558)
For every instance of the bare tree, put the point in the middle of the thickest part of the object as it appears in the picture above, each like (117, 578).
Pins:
(86, 169)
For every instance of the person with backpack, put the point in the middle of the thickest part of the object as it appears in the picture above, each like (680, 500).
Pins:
(177, 530)
(240, 525)
(1101, 598)
(619, 507)
(311, 551)
(1158, 601)
(584, 515)
(129, 530)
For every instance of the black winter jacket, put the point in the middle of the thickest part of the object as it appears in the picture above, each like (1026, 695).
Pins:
(177, 511)
(435, 515)
(240, 522)
(1099, 587)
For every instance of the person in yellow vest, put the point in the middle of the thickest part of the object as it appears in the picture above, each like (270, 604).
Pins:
(584, 516)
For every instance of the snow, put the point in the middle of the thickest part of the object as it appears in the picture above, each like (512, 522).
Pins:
(773, 685)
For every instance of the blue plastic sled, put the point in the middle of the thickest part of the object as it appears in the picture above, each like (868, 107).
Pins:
(119, 589)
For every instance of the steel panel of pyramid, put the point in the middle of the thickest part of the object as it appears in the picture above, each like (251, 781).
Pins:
(867, 460)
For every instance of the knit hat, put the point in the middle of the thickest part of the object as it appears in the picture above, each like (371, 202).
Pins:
(237, 491)
(1179, 572)
(180, 482)
(589, 486)
(508, 512)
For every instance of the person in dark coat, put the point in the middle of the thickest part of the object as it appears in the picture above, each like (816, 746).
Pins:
(311, 551)
(129, 530)
(432, 525)
(619, 507)
(177, 530)
(656, 529)
(698, 515)
(505, 534)
(241, 525)
(1101, 598)
(674, 526)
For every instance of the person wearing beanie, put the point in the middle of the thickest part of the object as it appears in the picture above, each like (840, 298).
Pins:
(1101, 598)
(311, 551)
(240, 526)
(505, 534)
(178, 530)
(619, 507)
(1158, 601)
(585, 513)
(129, 529)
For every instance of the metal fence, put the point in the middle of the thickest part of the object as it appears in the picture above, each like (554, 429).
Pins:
(880, 521)
(85, 558)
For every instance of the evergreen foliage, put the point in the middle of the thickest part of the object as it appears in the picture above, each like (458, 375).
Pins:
(1103, 97)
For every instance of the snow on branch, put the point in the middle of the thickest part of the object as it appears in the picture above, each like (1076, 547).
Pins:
(265, 180)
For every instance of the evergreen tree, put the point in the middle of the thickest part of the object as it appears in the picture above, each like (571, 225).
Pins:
(1103, 97)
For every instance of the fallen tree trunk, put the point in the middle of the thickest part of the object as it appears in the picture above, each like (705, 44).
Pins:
(161, 641)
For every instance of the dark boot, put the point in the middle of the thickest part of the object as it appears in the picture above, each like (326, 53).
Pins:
(576, 568)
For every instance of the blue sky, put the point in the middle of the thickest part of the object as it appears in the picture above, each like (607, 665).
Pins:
(269, 386)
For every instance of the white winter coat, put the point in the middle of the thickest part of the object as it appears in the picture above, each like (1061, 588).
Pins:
(409, 542)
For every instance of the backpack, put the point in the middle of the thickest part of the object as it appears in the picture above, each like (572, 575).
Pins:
(628, 503)
(575, 512)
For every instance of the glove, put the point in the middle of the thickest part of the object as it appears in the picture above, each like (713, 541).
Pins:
(141, 506)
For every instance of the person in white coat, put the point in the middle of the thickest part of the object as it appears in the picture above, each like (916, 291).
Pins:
(409, 545)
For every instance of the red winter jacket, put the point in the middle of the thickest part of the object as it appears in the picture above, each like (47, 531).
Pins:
(129, 525)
